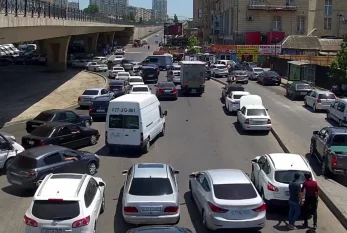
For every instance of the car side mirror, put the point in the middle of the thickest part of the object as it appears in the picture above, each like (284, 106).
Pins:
(316, 132)
(193, 175)
(165, 113)
(125, 172)
(176, 172)
(102, 184)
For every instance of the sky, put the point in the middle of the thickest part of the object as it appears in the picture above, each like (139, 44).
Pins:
(178, 7)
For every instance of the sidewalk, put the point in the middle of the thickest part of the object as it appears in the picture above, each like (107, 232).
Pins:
(50, 91)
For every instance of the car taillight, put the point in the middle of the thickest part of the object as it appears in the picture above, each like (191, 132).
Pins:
(174, 91)
(271, 187)
(334, 161)
(160, 91)
(260, 208)
(247, 122)
(216, 209)
(30, 222)
(79, 98)
(90, 110)
(268, 121)
(171, 209)
(32, 174)
(81, 222)
(42, 143)
(319, 101)
(130, 209)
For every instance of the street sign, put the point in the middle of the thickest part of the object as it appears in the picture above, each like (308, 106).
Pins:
(156, 42)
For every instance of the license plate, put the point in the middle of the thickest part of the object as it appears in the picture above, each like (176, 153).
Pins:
(34, 126)
(287, 193)
(167, 91)
(257, 123)
(239, 212)
(45, 230)
(100, 110)
(150, 75)
(16, 182)
(193, 91)
(31, 142)
(151, 208)
(303, 93)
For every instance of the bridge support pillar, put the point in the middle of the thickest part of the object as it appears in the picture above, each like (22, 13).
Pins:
(40, 46)
(124, 37)
(56, 50)
(106, 38)
(90, 43)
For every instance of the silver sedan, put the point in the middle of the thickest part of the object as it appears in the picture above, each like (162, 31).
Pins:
(87, 97)
(150, 194)
(226, 199)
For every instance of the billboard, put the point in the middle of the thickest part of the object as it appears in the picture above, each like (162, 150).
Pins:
(173, 29)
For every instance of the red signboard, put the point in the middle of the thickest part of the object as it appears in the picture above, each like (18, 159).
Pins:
(173, 29)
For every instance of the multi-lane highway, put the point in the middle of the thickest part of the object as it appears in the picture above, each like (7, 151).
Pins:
(199, 135)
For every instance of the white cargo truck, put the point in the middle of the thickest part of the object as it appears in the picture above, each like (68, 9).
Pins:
(192, 77)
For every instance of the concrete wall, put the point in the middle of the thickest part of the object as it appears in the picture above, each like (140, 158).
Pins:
(141, 32)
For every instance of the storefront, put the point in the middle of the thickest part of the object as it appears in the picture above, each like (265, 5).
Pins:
(265, 53)
(224, 52)
(248, 53)
(301, 71)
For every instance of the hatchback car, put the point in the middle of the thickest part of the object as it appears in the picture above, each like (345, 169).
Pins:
(320, 100)
(87, 97)
(166, 90)
(226, 198)
(219, 70)
(253, 72)
(99, 107)
(151, 195)
(33, 165)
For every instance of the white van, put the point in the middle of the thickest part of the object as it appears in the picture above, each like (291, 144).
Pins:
(134, 120)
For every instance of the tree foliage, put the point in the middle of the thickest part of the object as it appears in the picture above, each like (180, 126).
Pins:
(338, 68)
(193, 44)
(131, 16)
(92, 9)
(175, 19)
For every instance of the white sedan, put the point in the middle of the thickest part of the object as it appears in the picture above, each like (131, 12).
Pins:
(227, 199)
(140, 89)
(232, 101)
(114, 71)
(136, 80)
(95, 66)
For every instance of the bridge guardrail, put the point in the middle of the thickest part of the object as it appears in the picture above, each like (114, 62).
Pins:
(43, 9)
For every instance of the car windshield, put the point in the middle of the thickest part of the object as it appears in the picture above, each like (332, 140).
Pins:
(237, 97)
(176, 68)
(302, 86)
(90, 92)
(123, 122)
(271, 74)
(135, 80)
(101, 103)
(140, 89)
(44, 116)
(234, 191)
(339, 140)
(258, 70)
(123, 75)
(326, 96)
(115, 87)
(43, 132)
(55, 210)
(24, 162)
(240, 73)
(221, 67)
(166, 85)
(256, 112)
(287, 176)
(150, 187)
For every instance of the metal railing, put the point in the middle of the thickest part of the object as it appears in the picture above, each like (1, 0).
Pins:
(44, 9)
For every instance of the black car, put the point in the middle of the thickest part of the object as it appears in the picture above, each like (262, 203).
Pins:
(31, 166)
(166, 90)
(99, 107)
(298, 89)
(150, 73)
(59, 115)
(159, 229)
(63, 134)
(118, 87)
(269, 78)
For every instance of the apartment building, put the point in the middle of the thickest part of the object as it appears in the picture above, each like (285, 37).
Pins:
(161, 7)
(143, 13)
(269, 21)
(202, 19)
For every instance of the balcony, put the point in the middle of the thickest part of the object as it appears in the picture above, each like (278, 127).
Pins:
(269, 7)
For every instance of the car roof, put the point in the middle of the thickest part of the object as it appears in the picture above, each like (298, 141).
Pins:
(135, 77)
(254, 106)
(227, 176)
(121, 82)
(257, 68)
(61, 186)
(140, 85)
(344, 100)
(135, 98)
(299, 82)
(322, 91)
(192, 62)
(286, 161)
(118, 66)
(164, 82)
(218, 65)
(149, 66)
(41, 151)
(123, 72)
(150, 170)
(54, 111)
(241, 93)
(338, 130)
(93, 89)
(54, 124)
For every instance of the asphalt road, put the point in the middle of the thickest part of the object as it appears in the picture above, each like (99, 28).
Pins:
(199, 136)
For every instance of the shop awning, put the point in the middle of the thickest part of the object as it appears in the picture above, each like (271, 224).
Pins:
(328, 53)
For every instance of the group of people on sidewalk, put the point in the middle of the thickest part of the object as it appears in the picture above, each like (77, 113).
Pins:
(303, 199)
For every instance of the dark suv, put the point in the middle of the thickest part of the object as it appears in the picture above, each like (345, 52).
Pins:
(149, 73)
(32, 165)
(118, 87)
(99, 107)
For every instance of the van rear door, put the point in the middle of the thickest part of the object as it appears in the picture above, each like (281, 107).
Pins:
(131, 127)
(115, 132)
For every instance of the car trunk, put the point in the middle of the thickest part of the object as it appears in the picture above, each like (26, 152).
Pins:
(237, 211)
(33, 124)
(341, 156)
(31, 141)
(327, 99)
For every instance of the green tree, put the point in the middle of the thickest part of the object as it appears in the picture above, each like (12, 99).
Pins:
(141, 20)
(131, 16)
(175, 19)
(338, 68)
(92, 9)
(193, 44)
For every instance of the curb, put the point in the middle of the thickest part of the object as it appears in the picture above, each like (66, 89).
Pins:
(322, 193)
(70, 106)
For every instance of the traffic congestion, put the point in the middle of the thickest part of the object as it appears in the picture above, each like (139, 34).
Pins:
(190, 162)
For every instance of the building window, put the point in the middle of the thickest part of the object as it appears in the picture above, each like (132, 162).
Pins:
(200, 13)
(276, 23)
(300, 27)
(289, 2)
(328, 7)
(327, 23)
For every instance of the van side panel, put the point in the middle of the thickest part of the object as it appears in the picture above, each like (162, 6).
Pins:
(151, 121)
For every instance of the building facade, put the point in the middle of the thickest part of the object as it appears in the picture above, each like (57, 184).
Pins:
(74, 5)
(111, 7)
(161, 7)
(140, 13)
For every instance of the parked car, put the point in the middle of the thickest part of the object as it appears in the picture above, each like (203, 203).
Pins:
(219, 70)
(320, 100)
(150, 73)
(9, 148)
(146, 184)
(227, 199)
(112, 73)
(86, 99)
(31, 166)
(166, 90)
(66, 201)
(59, 115)
(298, 89)
(338, 112)
(99, 107)
(96, 67)
(118, 87)
(253, 72)
(269, 78)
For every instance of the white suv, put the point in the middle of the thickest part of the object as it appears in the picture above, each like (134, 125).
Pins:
(66, 203)
(272, 173)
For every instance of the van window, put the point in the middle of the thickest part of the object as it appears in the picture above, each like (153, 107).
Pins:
(153, 60)
(123, 122)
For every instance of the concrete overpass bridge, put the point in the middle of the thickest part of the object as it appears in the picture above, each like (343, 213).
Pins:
(54, 27)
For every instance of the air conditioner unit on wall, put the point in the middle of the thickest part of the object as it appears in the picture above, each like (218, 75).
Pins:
(250, 18)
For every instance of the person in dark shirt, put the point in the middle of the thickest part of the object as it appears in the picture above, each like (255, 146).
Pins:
(310, 187)
(295, 201)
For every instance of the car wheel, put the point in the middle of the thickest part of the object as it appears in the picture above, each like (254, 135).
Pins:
(8, 163)
(145, 149)
(162, 133)
(312, 149)
(314, 108)
(93, 140)
(103, 205)
(87, 123)
(92, 168)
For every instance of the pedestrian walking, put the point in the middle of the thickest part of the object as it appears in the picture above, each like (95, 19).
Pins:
(295, 201)
(310, 187)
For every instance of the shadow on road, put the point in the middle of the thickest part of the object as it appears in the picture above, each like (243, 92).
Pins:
(18, 192)
(119, 225)
(30, 84)
(120, 153)
(239, 129)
